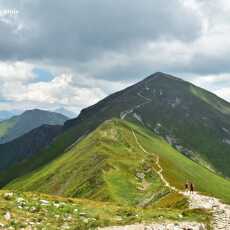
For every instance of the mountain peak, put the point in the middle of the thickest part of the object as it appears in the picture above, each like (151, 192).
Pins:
(27, 121)
(162, 75)
(34, 111)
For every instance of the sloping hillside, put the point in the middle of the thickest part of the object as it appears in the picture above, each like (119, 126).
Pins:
(27, 145)
(109, 165)
(18, 125)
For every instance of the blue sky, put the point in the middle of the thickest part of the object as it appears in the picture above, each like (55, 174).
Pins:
(42, 75)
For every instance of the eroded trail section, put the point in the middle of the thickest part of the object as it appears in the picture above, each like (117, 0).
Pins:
(221, 212)
(159, 169)
(131, 110)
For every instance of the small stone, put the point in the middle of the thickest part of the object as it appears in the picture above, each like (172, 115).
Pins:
(56, 205)
(8, 195)
(82, 214)
(20, 202)
(33, 209)
(65, 226)
(20, 199)
(140, 175)
(86, 221)
(7, 216)
(44, 202)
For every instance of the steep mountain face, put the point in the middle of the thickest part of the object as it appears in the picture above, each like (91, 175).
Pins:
(192, 120)
(27, 145)
(17, 126)
(195, 121)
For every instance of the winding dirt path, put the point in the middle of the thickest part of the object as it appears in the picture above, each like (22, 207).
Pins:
(221, 212)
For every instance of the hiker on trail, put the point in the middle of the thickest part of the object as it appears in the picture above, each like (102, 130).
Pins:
(191, 188)
(186, 187)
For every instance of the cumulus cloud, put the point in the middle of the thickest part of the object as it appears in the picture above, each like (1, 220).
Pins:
(61, 91)
(20, 91)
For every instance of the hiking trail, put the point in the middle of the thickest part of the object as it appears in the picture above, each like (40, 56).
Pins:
(221, 211)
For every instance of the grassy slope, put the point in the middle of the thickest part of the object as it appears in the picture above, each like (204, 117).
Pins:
(55, 149)
(216, 102)
(104, 165)
(178, 169)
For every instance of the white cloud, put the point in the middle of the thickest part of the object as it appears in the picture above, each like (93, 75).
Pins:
(100, 63)
(63, 90)
(15, 71)
(211, 79)
(224, 93)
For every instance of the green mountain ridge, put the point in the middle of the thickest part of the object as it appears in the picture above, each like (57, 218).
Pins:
(192, 120)
(108, 165)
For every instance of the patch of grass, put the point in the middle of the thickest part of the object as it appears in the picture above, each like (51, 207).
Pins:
(216, 102)
(172, 200)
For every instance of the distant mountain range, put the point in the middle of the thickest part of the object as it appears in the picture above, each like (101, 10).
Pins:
(19, 125)
(96, 156)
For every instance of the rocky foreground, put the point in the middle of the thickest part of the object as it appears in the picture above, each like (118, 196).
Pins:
(35, 211)
(220, 211)
(162, 226)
